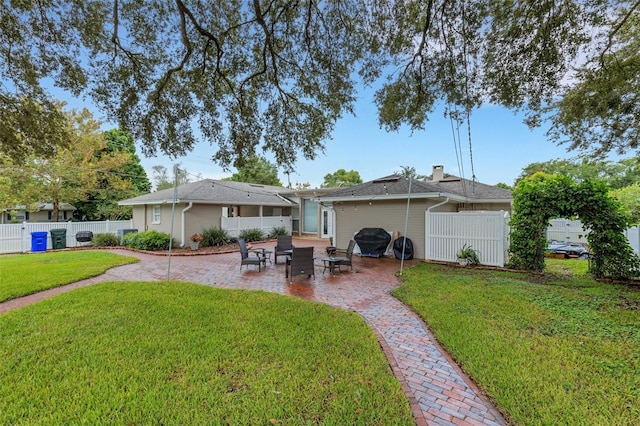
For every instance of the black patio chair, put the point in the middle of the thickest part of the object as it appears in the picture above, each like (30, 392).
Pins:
(250, 260)
(301, 263)
(348, 253)
(284, 246)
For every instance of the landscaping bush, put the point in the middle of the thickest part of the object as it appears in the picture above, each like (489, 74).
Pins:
(214, 237)
(278, 231)
(106, 240)
(252, 235)
(148, 240)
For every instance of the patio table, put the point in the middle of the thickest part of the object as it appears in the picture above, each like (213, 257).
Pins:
(331, 263)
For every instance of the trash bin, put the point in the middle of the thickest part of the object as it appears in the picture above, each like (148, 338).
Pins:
(39, 241)
(408, 248)
(58, 239)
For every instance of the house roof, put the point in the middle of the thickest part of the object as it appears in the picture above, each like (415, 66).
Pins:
(44, 207)
(210, 191)
(397, 187)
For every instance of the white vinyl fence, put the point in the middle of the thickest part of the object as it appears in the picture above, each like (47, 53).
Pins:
(571, 230)
(17, 238)
(566, 230)
(486, 232)
(235, 225)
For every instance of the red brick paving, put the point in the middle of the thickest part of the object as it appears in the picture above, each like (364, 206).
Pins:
(437, 390)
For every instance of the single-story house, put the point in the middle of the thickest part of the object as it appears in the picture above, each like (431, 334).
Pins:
(43, 212)
(228, 205)
(382, 203)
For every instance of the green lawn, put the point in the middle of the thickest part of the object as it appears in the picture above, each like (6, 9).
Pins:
(554, 349)
(185, 354)
(29, 273)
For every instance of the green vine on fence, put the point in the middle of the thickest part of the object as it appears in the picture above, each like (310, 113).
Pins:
(542, 197)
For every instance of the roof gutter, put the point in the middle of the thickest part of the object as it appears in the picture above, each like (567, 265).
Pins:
(403, 197)
(283, 198)
(182, 231)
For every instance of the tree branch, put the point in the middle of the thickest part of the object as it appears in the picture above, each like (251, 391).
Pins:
(616, 29)
(115, 39)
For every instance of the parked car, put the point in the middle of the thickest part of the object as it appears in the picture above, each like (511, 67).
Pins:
(569, 249)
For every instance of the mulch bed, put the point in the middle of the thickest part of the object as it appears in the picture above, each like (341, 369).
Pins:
(179, 251)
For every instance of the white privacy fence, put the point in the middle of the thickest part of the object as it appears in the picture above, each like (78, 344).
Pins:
(571, 230)
(16, 237)
(566, 230)
(486, 232)
(235, 225)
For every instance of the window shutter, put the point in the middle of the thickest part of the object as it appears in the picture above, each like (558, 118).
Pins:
(26, 216)
(50, 216)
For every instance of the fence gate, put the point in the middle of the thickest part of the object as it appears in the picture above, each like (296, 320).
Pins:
(487, 232)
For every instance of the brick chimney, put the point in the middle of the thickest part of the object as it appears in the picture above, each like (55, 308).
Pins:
(438, 173)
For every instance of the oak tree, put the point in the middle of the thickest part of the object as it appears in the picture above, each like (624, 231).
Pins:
(278, 74)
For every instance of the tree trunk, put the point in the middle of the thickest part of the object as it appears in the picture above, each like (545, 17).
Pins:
(56, 208)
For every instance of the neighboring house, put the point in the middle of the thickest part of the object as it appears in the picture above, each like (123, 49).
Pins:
(43, 213)
(382, 203)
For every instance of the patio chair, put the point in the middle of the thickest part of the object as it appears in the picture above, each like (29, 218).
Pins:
(348, 253)
(283, 247)
(301, 263)
(250, 260)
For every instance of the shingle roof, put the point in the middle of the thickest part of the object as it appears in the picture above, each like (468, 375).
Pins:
(210, 191)
(396, 186)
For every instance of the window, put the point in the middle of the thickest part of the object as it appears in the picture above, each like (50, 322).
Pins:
(310, 215)
(156, 215)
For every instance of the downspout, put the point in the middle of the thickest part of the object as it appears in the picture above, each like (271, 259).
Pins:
(182, 236)
(438, 205)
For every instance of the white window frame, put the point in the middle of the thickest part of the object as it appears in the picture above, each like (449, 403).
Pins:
(156, 215)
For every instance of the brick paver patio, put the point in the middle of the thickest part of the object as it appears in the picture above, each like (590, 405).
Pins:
(438, 391)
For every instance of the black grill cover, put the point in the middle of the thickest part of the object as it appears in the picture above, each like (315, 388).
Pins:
(372, 241)
(408, 248)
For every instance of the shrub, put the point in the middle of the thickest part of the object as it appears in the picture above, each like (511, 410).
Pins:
(106, 240)
(278, 231)
(469, 255)
(214, 237)
(252, 235)
(148, 240)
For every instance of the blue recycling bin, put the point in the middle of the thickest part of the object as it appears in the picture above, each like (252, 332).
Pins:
(39, 241)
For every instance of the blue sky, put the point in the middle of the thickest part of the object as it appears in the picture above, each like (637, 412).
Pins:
(501, 147)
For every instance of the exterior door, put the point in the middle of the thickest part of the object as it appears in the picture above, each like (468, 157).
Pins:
(326, 222)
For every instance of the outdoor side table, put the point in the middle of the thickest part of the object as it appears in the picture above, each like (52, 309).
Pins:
(331, 263)
(264, 253)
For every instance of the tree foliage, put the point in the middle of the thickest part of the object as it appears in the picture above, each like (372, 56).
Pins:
(541, 197)
(163, 180)
(279, 74)
(72, 172)
(341, 178)
(629, 198)
(257, 169)
(101, 203)
(409, 171)
(599, 114)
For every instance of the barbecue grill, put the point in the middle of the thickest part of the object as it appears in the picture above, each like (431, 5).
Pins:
(84, 237)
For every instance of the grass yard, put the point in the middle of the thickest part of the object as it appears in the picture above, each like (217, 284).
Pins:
(26, 274)
(184, 354)
(560, 348)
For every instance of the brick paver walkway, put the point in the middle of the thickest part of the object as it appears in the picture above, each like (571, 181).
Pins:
(439, 393)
